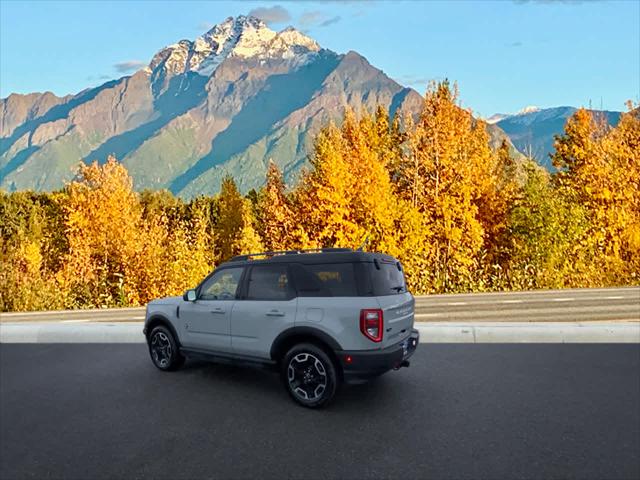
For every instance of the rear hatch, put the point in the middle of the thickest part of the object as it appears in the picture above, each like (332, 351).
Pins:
(397, 304)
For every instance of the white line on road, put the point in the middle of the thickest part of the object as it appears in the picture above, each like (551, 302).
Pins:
(455, 304)
(74, 321)
(426, 301)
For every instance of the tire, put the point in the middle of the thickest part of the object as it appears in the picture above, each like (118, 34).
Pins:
(164, 349)
(309, 375)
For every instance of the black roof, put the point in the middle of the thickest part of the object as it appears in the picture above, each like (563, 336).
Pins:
(325, 255)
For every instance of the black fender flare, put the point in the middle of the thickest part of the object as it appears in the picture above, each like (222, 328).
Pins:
(303, 332)
(159, 319)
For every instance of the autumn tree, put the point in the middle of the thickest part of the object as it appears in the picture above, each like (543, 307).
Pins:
(447, 175)
(347, 195)
(31, 244)
(102, 221)
(599, 167)
(429, 191)
(235, 231)
(279, 226)
(623, 149)
(495, 203)
(545, 238)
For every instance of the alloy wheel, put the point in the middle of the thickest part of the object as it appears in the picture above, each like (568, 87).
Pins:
(161, 349)
(307, 376)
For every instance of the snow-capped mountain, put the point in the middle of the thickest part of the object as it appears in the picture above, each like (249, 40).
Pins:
(245, 37)
(223, 103)
(497, 117)
(532, 129)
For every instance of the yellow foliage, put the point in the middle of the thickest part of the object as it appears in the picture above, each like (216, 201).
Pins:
(429, 191)
(449, 176)
(600, 169)
(235, 232)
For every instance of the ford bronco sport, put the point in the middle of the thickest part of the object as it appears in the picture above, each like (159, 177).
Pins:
(318, 316)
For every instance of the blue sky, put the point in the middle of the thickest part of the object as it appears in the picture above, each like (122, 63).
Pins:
(504, 54)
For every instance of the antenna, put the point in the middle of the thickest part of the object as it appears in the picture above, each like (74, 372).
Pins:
(364, 243)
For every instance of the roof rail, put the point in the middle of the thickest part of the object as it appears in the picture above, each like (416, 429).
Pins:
(249, 256)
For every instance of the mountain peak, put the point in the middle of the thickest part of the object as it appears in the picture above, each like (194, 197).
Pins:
(498, 117)
(241, 36)
(528, 109)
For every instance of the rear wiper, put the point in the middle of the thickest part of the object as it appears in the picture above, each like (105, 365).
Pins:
(398, 289)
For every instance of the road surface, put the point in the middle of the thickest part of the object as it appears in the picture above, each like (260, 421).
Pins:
(459, 411)
(573, 305)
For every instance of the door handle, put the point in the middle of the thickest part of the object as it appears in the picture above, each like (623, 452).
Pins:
(275, 313)
(217, 310)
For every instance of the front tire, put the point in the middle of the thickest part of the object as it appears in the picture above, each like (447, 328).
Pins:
(164, 350)
(310, 375)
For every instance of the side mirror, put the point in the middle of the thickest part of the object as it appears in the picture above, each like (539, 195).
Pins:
(189, 296)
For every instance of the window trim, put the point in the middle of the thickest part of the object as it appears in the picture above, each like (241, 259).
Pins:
(244, 292)
(221, 269)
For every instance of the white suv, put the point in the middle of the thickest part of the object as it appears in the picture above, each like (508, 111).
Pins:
(320, 317)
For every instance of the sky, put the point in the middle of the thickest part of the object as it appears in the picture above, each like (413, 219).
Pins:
(504, 54)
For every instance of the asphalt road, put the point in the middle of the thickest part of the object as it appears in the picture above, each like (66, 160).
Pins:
(535, 306)
(459, 411)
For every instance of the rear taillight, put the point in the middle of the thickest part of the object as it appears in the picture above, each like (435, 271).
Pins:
(371, 324)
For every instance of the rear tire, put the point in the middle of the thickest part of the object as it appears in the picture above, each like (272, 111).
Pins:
(164, 349)
(309, 375)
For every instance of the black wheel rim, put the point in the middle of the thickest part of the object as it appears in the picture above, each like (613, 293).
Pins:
(161, 349)
(307, 376)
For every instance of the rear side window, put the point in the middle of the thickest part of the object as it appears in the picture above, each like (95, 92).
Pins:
(387, 278)
(269, 282)
(325, 280)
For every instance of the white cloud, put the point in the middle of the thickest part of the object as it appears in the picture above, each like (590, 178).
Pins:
(129, 66)
(413, 80)
(316, 18)
(275, 14)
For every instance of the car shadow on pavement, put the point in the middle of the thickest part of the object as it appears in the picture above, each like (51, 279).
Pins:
(267, 385)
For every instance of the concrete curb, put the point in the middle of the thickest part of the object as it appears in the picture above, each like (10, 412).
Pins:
(532, 332)
(49, 332)
(436, 332)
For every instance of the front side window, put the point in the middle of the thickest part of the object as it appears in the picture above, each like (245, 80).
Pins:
(269, 282)
(222, 285)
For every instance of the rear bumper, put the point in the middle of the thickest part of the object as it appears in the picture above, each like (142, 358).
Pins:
(361, 365)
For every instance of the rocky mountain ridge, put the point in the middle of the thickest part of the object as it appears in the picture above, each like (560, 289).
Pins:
(224, 103)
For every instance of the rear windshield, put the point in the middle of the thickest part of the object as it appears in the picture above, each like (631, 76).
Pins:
(352, 279)
(387, 278)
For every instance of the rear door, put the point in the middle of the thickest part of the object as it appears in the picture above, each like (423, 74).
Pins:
(266, 307)
(397, 304)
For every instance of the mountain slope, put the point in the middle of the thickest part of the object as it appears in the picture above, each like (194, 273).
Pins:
(532, 130)
(224, 103)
